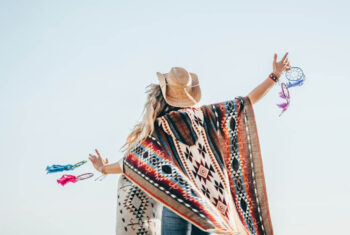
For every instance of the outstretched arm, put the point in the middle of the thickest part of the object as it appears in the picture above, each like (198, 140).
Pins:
(278, 69)
(102, 165)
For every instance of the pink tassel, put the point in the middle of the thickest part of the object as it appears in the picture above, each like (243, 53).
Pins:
(67, 178)
(282, 95)
(284, 106)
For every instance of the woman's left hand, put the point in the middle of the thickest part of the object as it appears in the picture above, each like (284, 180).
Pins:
(98, 161)
(281, 66)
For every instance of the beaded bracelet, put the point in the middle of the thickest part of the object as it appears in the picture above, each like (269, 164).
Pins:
(273, 77)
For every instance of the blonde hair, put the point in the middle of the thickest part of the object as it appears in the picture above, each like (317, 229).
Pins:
(154, 106)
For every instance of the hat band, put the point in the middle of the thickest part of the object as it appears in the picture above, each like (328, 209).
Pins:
(173, 85)
(190, 96)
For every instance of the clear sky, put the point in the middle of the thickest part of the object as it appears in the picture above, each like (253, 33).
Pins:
(73, 76)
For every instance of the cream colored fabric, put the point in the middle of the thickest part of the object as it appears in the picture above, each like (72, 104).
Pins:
(137, 213)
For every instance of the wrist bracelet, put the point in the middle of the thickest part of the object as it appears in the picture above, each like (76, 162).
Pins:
(273, 77)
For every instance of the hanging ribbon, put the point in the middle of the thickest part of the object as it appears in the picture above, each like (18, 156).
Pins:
(67, 178)
(284, 93)
(57, 168)
(71, 178)
(296, 77)
(101, 177)
(283, 106)
(69, 167)
(281, 93)
(297, 83)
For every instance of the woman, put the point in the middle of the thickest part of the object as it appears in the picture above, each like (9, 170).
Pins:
(177, 156)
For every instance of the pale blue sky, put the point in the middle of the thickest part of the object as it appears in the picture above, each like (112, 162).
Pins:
(73, 76)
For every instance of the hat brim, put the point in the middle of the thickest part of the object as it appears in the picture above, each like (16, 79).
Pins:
(184, 101)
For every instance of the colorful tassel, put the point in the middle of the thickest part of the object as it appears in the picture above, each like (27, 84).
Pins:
(296, 77)
(69, 167)
(67, 178)
(283, 106)
(71, 178)
(58, 168)
(281, 93)
(297, 83)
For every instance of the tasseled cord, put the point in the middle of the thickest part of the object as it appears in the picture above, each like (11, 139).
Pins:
(297, 83)
(283, 106)
(58, 168)
(67, 178)
(71, 178)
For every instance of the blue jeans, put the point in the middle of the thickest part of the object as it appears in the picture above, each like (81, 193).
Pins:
(172, 224)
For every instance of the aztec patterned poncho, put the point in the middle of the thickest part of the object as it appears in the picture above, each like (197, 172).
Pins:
(204, 163)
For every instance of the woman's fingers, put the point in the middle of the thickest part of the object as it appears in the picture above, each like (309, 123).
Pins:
(286, 67)
(275, 57)
(97, 159)
(92, 156)
(98, 154)
(284, 57)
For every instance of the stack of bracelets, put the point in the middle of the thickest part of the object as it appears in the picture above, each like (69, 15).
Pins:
(273, 77)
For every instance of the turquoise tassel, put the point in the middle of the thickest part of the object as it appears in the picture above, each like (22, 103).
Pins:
(58, 168)
(69, 167)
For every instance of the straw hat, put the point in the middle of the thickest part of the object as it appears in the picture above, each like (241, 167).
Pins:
(179, 87)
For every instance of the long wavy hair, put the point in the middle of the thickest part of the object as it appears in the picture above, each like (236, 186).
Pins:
(155, 106)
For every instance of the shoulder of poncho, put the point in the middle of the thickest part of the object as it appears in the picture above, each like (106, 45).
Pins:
(178, 112)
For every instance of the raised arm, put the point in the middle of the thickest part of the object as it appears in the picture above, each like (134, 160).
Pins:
(102, 165)
(278, 69)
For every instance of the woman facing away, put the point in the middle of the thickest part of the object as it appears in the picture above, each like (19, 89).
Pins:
(190, 150)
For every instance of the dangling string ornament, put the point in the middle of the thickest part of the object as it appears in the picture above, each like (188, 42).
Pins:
(69, 167)
(296, 77)
(297, 83)
(101, 177)
(71, 178)
(284, 94)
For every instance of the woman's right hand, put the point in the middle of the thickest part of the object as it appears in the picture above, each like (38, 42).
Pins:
(281, 66)
(98, 161)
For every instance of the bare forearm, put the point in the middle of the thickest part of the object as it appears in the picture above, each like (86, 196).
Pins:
(260, 91)
(113, 168)
(278, 69)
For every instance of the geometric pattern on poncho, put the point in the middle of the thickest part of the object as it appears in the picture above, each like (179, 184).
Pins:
(205, 164)
(137, 213)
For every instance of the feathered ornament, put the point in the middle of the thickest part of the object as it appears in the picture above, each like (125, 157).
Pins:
(297, 83)
(284, 94)
(69, 167)
(283, 106)
(71, 178)
(296, 77)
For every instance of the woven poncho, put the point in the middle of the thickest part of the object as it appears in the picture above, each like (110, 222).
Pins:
(204, 163)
